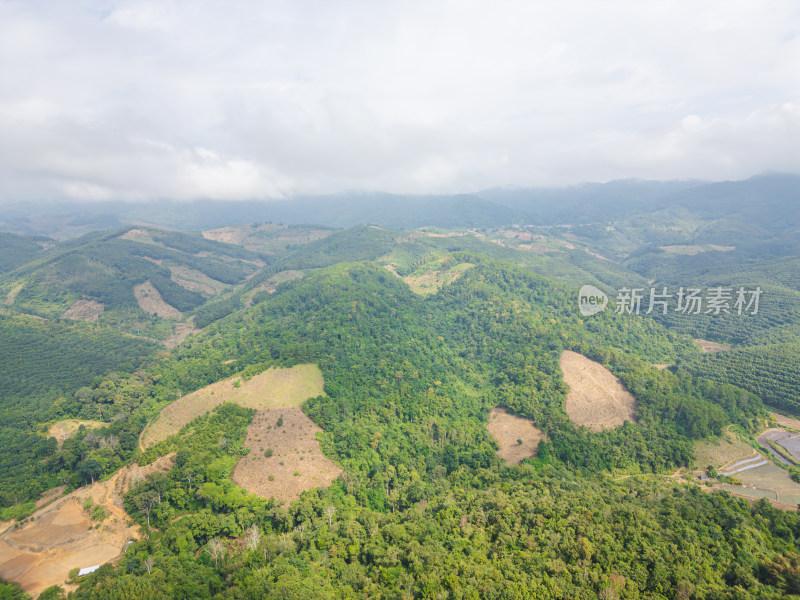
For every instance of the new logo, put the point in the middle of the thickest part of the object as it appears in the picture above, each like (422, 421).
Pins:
(591, 300)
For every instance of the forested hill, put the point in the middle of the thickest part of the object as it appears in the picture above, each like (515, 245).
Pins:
(426, 508)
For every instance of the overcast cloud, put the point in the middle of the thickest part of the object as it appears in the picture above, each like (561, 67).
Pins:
(235, 100)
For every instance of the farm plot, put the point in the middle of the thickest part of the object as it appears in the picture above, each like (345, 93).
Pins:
(726, 450)
(788, 440)
(597, 399)
(516, 437)
(72, 532)
(274, 388)
(771, 477)
(285, 457)
(748, 492)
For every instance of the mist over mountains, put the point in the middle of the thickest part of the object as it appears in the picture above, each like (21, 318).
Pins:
(768, 200)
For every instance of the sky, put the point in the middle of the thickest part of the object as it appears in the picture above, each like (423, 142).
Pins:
(262, 100)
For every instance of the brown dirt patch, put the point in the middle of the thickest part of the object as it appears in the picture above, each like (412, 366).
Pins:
(274, 388)
(62, 537)
(662, 366)
(786, 421)
(84, 310)
(150, 301)
(62, 430)
(297, 463)
(181, 332)
(12, 295)
(711, 346)
(49, 496)
(195, 281)
(507, 429)
(597, 399)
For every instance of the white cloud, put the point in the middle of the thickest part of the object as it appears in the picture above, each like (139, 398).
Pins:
(251, 100)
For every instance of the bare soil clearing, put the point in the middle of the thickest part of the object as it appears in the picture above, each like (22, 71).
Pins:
(63, 430)
(150, 301)
(195, 281)
(61, 536)
(786, 421)
(296, 463)
(84, 310)
(49, 496)
(711, 346)
(508, 430)
(597, 399)
(274, 388)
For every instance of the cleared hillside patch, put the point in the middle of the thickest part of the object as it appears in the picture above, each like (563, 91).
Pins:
(597, 399)
(787, 422)
(63, 536)
(151, 302)
(517, 438)
(195, 281)
(12, 295)
(63, 430)
(84, 310)
(274, 388)
(285, 457)
(707, 346)
(432, 277)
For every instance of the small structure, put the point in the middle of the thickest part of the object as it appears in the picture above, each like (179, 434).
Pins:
(88, 570)
(703, 478)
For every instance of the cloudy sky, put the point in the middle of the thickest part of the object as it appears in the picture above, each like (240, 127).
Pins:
(235, 100)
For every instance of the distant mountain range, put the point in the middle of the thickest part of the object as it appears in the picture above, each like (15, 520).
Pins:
(766, 201)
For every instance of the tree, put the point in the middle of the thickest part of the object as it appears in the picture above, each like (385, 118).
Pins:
(216, 549)
(146, 501)
(253, 537)
(148, 564)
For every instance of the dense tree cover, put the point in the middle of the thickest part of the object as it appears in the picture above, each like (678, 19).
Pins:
(425, 508)
(42, 364)
(409, 380)
(16, 250)
(771, 371)
(536, 531)
(12, 591)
